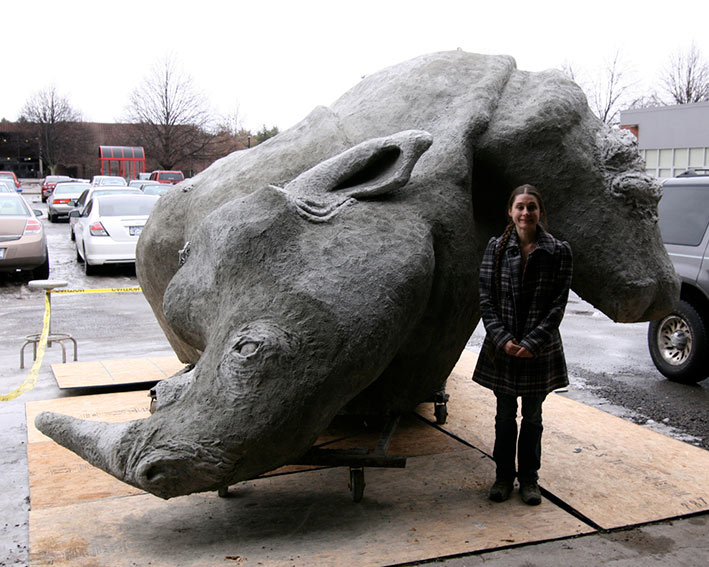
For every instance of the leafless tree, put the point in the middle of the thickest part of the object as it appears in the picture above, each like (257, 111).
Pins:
(174, 116)
(56, 122)
(685, 78)
(232, 123)
(231, 134)
(568, 69)
(608, 90)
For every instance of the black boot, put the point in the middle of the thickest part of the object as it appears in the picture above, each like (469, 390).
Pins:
(529, 490)
(501, 490)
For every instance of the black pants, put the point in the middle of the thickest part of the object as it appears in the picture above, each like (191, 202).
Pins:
(528, 447)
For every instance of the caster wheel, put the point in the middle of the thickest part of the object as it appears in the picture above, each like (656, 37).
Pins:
(441, 413)
(357, 484)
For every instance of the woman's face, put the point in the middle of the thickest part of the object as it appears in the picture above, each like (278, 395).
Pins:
(524, 212)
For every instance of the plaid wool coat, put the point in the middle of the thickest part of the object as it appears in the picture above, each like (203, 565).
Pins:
(541, 291)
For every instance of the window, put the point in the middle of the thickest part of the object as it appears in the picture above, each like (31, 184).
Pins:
(684, 214)
(670, 162)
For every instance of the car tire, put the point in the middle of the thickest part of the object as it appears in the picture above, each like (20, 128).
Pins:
(89, 270)
(42, 272)
(679, 343)
(51, 217)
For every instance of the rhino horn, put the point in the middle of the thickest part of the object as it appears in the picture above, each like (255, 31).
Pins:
(96, 442)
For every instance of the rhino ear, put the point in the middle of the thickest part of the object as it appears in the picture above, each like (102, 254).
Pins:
(372, 168)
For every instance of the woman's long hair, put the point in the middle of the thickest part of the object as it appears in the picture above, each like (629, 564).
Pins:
(521, 190)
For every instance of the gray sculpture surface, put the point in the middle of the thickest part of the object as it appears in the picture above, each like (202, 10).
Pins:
(334, 267)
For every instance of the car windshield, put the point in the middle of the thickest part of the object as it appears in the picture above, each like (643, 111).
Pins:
(57, 178)
(117, 191)
(112, 181)
(124, 206)
(154, 189)
(13, 208)
(75, 188)
(6, 186)
(171, 176)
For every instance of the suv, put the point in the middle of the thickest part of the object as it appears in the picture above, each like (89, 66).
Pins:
(679, 342)
(164, 176)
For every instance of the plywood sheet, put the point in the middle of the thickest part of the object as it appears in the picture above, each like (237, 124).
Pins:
(114, 408)
(612, 471)
(114, 372)
(59, 477)
(435, 507)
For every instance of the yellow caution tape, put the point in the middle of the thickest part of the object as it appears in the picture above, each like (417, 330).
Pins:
(31, 379)
(98, 290)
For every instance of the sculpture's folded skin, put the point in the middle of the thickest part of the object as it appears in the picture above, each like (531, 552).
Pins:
(334, 267)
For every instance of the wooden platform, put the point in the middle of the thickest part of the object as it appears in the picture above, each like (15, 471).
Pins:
(113, 372)
(612, 472)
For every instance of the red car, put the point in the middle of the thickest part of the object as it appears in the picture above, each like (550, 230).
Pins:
(11, 175)
(49, 182)
(164, 176)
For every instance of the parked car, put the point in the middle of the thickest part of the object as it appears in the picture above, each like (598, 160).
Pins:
(59, 201)
(85, 197)
(679, 342)
(12, 177)
(164, 176)
(142, 183)
(23, 243)
(157, 189)
(106, 180)
(108, 229)
(49, 182)
(7, 186)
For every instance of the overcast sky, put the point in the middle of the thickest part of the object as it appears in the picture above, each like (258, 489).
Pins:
(276, 60)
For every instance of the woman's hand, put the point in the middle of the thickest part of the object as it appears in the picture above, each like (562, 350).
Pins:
(513, 349)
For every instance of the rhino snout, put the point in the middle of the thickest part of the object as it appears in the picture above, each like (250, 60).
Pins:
(169, 474)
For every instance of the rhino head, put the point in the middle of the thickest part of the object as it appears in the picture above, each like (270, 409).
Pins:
(260, 293)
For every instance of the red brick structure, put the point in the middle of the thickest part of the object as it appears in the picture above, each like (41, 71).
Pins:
(20, 148)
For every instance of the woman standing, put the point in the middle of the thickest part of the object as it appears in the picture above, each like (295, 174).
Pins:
(524, 285)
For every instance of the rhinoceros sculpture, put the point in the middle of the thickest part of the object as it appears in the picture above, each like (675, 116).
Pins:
(334, 267)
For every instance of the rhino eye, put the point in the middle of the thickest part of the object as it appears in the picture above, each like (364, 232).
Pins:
(246, 348)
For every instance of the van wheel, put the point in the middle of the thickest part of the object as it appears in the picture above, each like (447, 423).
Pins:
(678, 344)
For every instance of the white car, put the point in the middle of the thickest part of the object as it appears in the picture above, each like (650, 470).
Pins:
(80, 203)
(7, 186)
(111, 180)
(107, 230)
(59, 200)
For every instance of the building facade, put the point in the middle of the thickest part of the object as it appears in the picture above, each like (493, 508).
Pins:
(671, 139)
(79, 155)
